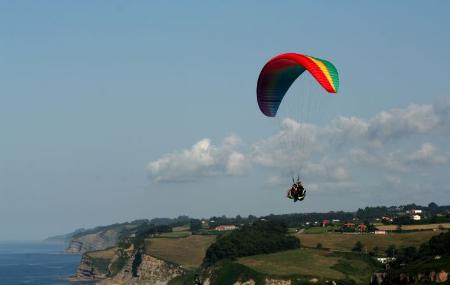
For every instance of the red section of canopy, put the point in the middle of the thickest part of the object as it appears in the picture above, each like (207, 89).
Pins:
(308, 64)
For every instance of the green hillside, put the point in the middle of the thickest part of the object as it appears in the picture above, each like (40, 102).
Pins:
(310, 263)
(295, 262)
(186, 251)
(345, 242)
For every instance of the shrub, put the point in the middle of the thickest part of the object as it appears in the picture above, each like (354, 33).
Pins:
(358, 247)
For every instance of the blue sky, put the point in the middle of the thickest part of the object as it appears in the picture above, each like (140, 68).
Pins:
(93, 94)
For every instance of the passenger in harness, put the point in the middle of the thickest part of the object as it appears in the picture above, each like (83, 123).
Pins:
(297, 191)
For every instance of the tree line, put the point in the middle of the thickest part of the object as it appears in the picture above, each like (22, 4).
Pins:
(261, 237)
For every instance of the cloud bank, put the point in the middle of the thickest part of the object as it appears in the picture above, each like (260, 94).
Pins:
(203, 159)
(350, 151)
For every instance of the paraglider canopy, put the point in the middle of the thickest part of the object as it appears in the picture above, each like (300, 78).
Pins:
(280, 72)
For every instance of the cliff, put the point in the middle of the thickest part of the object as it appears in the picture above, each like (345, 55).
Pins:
(86, 271)
(100, 238)
(151, 271)
(94, 241)
(135, 268)
(64, 238)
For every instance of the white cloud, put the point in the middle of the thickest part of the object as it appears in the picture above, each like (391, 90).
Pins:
(299, 141)
(390, 141)
(326, 170)
(389, 125)
(350, 128)
(236, 164)
(292, 145)
(340, 174)
(398, 123)
(427, 153)
(203, 159)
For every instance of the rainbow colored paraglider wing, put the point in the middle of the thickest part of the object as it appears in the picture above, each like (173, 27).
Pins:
(281, 71)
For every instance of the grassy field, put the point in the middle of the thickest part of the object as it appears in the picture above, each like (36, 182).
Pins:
(356, 267)
(102, 258)
(178, 234)
(208, 232)
(318, 230)
(105, 254)
(312, 263)
(188, 252)
(414, 227)
(184, 228)
(294, 262)
(345, 242)
(292, 230)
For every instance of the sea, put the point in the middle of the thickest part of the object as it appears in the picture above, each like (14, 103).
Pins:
(36, 263)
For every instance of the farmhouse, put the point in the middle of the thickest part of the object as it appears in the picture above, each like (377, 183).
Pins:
(416, 217)
(223, 228)
(349, 226)
(362, 228)
(387, 219)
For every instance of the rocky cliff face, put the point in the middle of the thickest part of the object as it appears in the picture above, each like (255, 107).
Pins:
(100, 238)
(156, 271)
(93, 241)
(151, 271)
(86, 271)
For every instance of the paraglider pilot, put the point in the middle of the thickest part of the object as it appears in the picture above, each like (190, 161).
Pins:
(297, 191)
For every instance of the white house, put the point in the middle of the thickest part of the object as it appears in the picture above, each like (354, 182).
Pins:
(385, 260)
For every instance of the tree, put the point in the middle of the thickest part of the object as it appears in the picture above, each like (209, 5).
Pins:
(136, 262)
(408, 253)
(370, 227)
(390, 251)
(433, 206)
(261, 237)
(195, 225)
(440, 244)
(376, 250)
(252, 218)
(358, 247)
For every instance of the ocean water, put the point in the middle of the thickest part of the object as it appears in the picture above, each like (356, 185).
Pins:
(36, 263)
